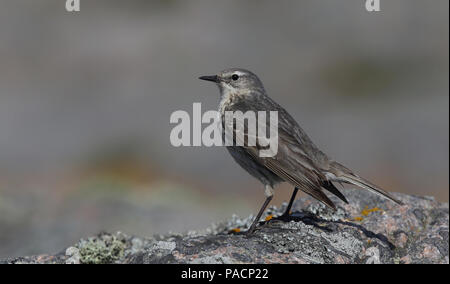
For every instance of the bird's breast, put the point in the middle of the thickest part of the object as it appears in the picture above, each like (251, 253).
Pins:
(226, 100)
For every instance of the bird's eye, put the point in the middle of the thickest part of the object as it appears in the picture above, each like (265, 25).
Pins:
(235, 77)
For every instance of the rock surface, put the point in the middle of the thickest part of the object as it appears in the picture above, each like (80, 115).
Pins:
(368, 230)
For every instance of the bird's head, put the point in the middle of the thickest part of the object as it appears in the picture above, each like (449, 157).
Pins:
(236, 80)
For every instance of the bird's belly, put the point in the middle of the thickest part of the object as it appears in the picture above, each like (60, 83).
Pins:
(253, 167)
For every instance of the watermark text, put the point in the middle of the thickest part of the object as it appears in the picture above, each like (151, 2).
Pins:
(234, 128)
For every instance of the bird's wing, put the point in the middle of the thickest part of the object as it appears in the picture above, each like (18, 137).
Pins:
(293, 170)
(291, 161)
(299, 161)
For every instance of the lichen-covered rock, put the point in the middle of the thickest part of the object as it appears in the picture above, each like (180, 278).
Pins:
(368, 230)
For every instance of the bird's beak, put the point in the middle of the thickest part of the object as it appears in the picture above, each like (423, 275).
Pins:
(214, 78)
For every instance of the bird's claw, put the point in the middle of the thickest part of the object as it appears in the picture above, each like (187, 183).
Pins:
(286, 217)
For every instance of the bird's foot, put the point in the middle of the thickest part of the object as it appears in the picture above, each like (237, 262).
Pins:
(249, 232)
(286, 217)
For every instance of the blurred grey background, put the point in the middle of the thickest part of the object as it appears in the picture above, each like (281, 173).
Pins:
(85, 101)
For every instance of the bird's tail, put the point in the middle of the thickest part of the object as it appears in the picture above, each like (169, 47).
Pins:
(343, 174)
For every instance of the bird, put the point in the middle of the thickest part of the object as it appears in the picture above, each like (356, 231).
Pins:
(298, 160)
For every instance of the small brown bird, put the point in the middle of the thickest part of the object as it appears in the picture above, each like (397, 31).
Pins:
(298, 161)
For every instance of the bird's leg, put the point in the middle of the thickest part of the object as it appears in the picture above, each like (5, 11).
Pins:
(286, 217)
(269, 195)
(291, 201)
(261, 211)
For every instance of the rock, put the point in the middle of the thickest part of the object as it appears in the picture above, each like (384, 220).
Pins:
(368, 230)
(73, 255)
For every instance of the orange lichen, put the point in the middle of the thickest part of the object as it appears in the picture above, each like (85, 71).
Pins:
(367, 211)
(268, 218)
(236, 230)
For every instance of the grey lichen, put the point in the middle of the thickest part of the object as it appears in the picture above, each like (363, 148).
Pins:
(74, 256)
(101, 250)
